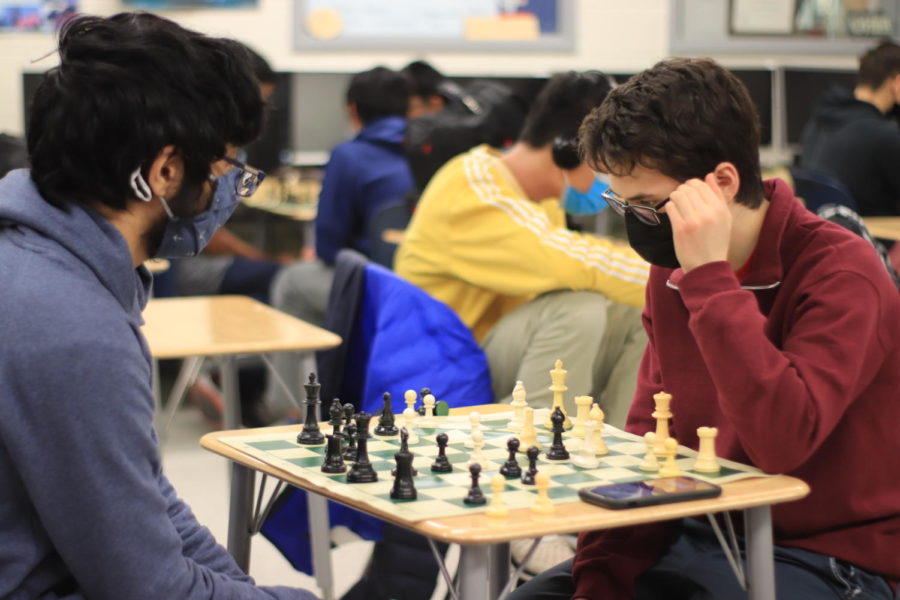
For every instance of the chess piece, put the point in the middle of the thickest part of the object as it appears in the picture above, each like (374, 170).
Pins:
(542, 504)
(586, 458)
(558, 376)
(334, 462)
(475, 425)
(670, 467)
(428, 420)
(511, 467)
(596, 415)
(362, 471)
(529, 438)
(528, 476)
(422, 393)
(441, 464)
(650, 462)
(386, 426)
(477, 444)
(475, 495)
(662, 414)
(404, 447)
(497, 508)
(409, 413)
(350, 438)
(583, 408)
(706, 457)
(518, 405)
(336, 412)
(557, 449)
(404, 487)
(311, 435)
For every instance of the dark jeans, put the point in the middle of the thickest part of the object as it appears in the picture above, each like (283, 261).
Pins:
(695, 568)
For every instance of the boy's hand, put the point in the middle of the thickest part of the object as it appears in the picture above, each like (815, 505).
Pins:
(701, 222)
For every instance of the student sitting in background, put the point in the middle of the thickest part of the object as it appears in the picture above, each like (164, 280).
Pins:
(773, 325)
(489, 239)
(425, 96)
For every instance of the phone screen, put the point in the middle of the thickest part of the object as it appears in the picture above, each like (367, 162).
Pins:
(653, 487)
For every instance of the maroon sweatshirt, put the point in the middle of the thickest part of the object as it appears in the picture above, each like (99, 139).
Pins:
(798, 365)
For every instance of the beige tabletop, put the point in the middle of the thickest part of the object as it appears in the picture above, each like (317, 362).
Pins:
(157, 265)
(887, 228)
(522, 523)
(220, 325)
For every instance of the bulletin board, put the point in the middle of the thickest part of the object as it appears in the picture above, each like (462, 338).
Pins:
(448, 25)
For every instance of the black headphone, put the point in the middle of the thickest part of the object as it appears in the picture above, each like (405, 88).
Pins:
(565, 153)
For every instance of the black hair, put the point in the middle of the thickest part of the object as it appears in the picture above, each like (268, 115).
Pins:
(424, 80)
(13, 154)
(126, 87)
(879, 64)
(377, 93)
(561, 106)
(262, 70)
(681, 117)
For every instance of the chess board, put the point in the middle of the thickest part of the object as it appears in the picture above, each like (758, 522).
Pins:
(441, 494)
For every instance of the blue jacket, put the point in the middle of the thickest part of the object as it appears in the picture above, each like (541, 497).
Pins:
(361, 176)
(85, 511)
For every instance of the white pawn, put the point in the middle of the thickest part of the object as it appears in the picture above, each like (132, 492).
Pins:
(582, 416)
(497, 507)
(428, 420)
(528, 437)
(670, 467)
(706, 457)
(477, 455)
(597, 416)
(475, 423)
(410, 414)
(401, 423)
(518, 405)
(586, 457)
(542, 504)
(650, 462)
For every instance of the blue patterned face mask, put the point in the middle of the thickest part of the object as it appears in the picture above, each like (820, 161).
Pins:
(576, 202)
(188, 236)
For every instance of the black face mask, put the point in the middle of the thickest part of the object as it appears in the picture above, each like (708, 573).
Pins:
(654, 243)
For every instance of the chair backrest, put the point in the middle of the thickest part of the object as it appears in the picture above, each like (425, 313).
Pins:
(818, 189)
(393, 216)
(398, 338)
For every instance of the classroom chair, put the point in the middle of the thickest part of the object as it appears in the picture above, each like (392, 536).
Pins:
(818, 189)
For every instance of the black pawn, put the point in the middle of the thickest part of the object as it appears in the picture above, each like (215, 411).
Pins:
(528, 476)
(557, 450)
(350, 437)
(404, 487)
(334, 462)
(511, 467)
(386, 425)
(311, 436)
(404, 447)
(441, 464)
(336, 412)
(362, 471)
(475, 495)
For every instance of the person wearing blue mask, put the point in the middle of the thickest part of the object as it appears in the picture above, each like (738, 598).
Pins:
(131, 142)
(489, 239)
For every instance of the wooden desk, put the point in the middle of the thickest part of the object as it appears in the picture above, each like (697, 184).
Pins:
(887, 228)
(484, 542)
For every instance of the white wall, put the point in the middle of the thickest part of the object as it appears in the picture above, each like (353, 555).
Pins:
(619, 36)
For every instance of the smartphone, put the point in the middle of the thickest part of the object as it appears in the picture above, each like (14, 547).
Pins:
(632, 494)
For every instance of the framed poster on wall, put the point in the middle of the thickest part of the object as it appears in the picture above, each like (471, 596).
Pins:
(450, 25)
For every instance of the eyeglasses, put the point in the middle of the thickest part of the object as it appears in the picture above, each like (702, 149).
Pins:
(248, 180)
(645, 214)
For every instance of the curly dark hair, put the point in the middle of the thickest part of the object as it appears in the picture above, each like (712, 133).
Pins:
(682, 117)
(879, 64)
(126, 87)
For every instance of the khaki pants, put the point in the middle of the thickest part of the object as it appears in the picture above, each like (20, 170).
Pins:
(600, 343)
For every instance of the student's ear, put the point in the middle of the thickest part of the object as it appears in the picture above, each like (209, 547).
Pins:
(728, 180)
(165, 173)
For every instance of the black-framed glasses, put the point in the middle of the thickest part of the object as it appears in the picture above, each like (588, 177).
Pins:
(648, 215)
(248, 180)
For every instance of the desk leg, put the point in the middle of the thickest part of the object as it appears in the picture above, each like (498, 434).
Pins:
(320, 533)
(230, 393)
(760, 553)
(483, 571)
(240, 514)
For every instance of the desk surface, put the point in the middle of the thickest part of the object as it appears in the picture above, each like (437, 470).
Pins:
(887, 228)
(522, 523)
(220, 325)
